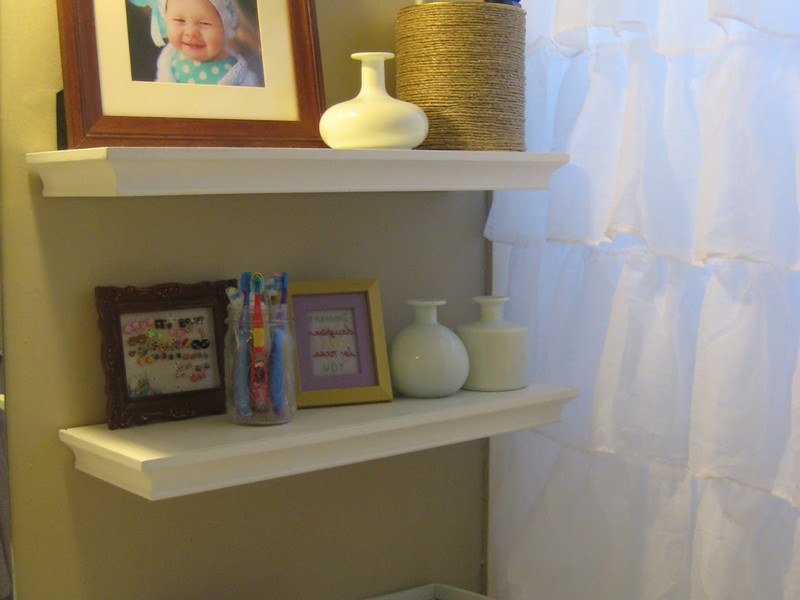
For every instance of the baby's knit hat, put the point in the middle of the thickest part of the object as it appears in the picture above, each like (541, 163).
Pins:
(227, 12)
(230, 16)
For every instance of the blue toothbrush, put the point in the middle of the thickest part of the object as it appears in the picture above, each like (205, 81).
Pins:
(241, 387)
(278, 382)
(278, 392)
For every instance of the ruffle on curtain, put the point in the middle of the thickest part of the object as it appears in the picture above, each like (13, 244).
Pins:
(661, 276)
(676, 473)
(696, 153)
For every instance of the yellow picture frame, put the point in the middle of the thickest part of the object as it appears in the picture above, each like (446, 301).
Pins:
(341, 356)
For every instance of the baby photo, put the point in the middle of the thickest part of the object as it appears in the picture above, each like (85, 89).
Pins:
(205, 42)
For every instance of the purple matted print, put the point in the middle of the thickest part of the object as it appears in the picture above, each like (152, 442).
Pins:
(334, 341)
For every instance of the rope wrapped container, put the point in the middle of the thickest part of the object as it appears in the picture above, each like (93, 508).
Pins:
(463, 63)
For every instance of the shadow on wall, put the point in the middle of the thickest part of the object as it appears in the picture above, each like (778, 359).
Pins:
(5, 514)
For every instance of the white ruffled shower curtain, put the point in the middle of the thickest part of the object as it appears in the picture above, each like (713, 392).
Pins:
(661, 276)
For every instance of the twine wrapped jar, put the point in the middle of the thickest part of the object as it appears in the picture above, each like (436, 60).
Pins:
(463, 63)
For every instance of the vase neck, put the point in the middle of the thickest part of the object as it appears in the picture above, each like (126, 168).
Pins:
(373, 76)
(426, 315)
(491, 312)
(491, 307)
(425, 311)
(373, 71)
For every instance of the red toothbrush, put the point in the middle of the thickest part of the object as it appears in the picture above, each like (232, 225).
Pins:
(259, 383)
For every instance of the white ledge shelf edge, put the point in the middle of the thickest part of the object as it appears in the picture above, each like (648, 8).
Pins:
(177, 458)
(152, 171)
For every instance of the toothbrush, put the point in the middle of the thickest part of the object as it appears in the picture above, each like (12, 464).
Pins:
(279, 283)
(234, 295)
(276, 368)
(242, 363)
(258, 365)
(277, 383)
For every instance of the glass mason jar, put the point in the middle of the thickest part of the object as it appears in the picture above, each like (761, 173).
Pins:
(259, 367)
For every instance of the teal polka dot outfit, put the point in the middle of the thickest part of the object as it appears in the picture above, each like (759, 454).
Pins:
(190, 71)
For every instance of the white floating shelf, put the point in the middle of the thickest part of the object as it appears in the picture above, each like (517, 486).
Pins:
(164, 460)
(151, 171)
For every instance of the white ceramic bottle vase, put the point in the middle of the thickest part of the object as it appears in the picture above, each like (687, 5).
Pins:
(373, 119)
(498, 349)
(426, 359)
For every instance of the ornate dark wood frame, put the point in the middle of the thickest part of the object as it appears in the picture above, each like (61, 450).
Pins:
(112, 302)
(88, 127)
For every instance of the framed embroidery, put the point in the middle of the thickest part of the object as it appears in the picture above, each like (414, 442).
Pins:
(341, 345)
(162, 351)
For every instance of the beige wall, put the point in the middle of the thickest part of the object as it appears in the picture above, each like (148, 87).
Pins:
(343, 533)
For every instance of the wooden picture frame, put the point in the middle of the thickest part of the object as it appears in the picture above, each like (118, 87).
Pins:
(162, 351)
(107, 103)
(341, 343)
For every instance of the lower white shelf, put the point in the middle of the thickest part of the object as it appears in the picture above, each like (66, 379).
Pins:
(177, 458)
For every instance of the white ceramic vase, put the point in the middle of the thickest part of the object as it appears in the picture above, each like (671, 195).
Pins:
(426, 359)
(498, 349)
(373, 119)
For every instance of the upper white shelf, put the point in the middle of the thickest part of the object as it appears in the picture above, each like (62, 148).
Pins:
(176, 458)
(201, 171)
